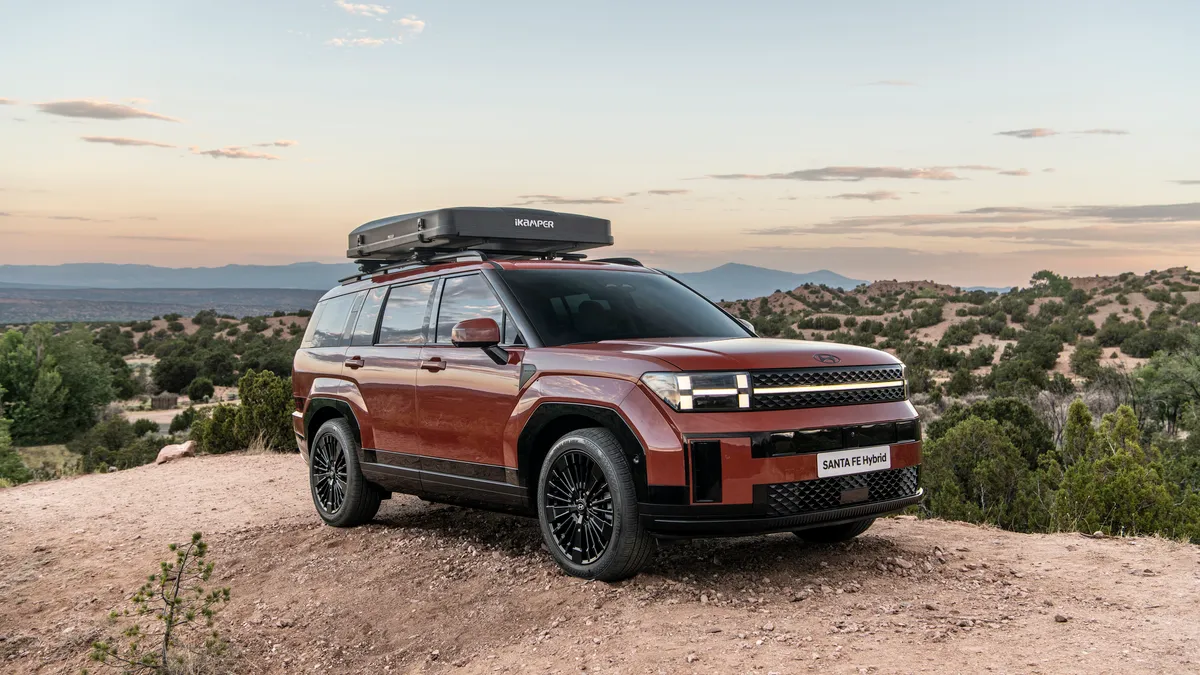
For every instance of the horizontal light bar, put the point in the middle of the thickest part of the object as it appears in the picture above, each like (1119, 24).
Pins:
(816, 388)
(714, 392)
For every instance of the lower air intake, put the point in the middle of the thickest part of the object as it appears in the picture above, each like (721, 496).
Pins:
(822, 494)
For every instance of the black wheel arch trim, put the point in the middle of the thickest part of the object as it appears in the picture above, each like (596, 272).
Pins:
(319, 409)
(547, 412)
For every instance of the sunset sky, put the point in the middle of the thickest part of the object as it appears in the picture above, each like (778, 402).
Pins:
(965, 142)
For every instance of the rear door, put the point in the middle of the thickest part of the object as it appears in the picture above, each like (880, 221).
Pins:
(383, 357)
(464, 398)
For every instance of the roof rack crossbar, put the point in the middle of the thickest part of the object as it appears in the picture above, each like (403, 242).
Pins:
(429, 256)
(621, 261)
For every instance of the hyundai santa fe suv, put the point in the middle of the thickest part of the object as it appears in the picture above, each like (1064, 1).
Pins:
(479, 360)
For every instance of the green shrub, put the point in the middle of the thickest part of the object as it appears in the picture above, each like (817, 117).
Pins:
(1085, 360)
(113, 443)
(201, 389)
(213, 430)
(12, 470)
(171, 620)
(961, 383)
(54, 385)
(143, 426)
(263, 416)
(183, 421)
(266, 410)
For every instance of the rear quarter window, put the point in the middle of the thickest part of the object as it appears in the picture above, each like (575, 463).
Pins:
(327, 326)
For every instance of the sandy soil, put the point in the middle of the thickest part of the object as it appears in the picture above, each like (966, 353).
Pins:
(430, 588)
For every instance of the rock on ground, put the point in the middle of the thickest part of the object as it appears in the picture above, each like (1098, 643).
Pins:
(173, 452)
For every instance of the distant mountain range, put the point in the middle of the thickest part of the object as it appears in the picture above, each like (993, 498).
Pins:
(735, 281)
(732, 281)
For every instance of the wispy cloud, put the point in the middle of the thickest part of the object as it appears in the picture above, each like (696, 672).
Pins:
(84, 219)
(1187, 182)
(281, 143)
(1141, 215)
(100, 110)
(891, 83)
(367, 10)
(153, 237)
(358, 42)
(411, 24)
(232, 152)
(659, 193)
(118, 140)
(559, 200)
(1106, 132)
(876, 196)
(1014, 172)
(9, 101)
(846, 174)
(1036, 132)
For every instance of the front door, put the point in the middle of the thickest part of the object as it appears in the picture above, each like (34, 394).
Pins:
(464, 398)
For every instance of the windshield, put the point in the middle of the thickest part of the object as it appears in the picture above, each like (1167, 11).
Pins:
(570, 306)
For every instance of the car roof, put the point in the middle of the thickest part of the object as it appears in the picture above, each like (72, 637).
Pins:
(416, 273)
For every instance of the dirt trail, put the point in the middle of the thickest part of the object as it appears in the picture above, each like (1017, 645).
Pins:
(430, 588)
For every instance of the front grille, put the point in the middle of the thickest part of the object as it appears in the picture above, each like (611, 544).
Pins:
(821, 399)
(808, 377)
(822, 494)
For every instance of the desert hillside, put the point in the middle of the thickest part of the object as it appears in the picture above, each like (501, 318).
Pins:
(940, 329)
(430, 588)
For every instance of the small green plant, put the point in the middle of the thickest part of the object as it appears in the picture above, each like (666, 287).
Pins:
(171, 618)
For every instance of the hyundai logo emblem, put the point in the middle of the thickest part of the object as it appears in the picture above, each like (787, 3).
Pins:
(827, 358)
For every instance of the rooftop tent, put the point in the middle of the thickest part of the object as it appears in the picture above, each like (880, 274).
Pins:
(496, 230)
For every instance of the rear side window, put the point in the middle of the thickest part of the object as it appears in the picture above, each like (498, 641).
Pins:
(466, 298)
(327, 325)
(368, 317)
(403, 321)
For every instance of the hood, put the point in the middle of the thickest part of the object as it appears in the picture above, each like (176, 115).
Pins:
(698, 354)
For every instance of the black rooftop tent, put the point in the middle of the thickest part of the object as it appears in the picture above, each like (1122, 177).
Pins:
(492, 230)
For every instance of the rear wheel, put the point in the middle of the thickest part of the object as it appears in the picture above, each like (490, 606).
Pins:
(342, 495)
(587, 508)
(831, 534)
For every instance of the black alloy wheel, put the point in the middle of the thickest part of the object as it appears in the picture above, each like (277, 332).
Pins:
(579, 507)
(342, 495)
(330, 474)
(587, 508)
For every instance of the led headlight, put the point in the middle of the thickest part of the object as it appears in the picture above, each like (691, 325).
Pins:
(701, 391)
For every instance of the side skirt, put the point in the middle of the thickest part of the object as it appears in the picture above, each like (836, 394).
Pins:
(444, 480)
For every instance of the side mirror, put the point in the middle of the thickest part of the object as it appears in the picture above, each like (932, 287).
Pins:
(749, 326)
(482, 333)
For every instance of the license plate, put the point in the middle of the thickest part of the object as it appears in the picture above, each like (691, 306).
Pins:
(858, 460)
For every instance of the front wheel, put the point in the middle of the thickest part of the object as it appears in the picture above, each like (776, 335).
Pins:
(832, 534)
(587, 508)
(342, 495)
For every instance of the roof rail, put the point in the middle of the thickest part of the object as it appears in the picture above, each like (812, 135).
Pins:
(431, 256)
(621, 261)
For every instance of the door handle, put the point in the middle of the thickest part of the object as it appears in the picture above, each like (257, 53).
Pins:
(354, 362)
(434, 364)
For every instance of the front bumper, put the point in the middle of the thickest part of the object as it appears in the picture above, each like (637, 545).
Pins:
(716, 521)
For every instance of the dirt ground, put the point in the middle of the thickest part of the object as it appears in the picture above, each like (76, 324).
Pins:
(431, 588)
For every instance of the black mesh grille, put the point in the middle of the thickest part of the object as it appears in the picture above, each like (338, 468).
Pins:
(819, 399)
(822, 494)
(814, 376)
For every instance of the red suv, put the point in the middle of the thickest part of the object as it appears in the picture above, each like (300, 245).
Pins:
(607, 399)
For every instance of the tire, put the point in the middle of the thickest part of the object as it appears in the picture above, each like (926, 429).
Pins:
(333, 472)
(585, 472)
(832, 534)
